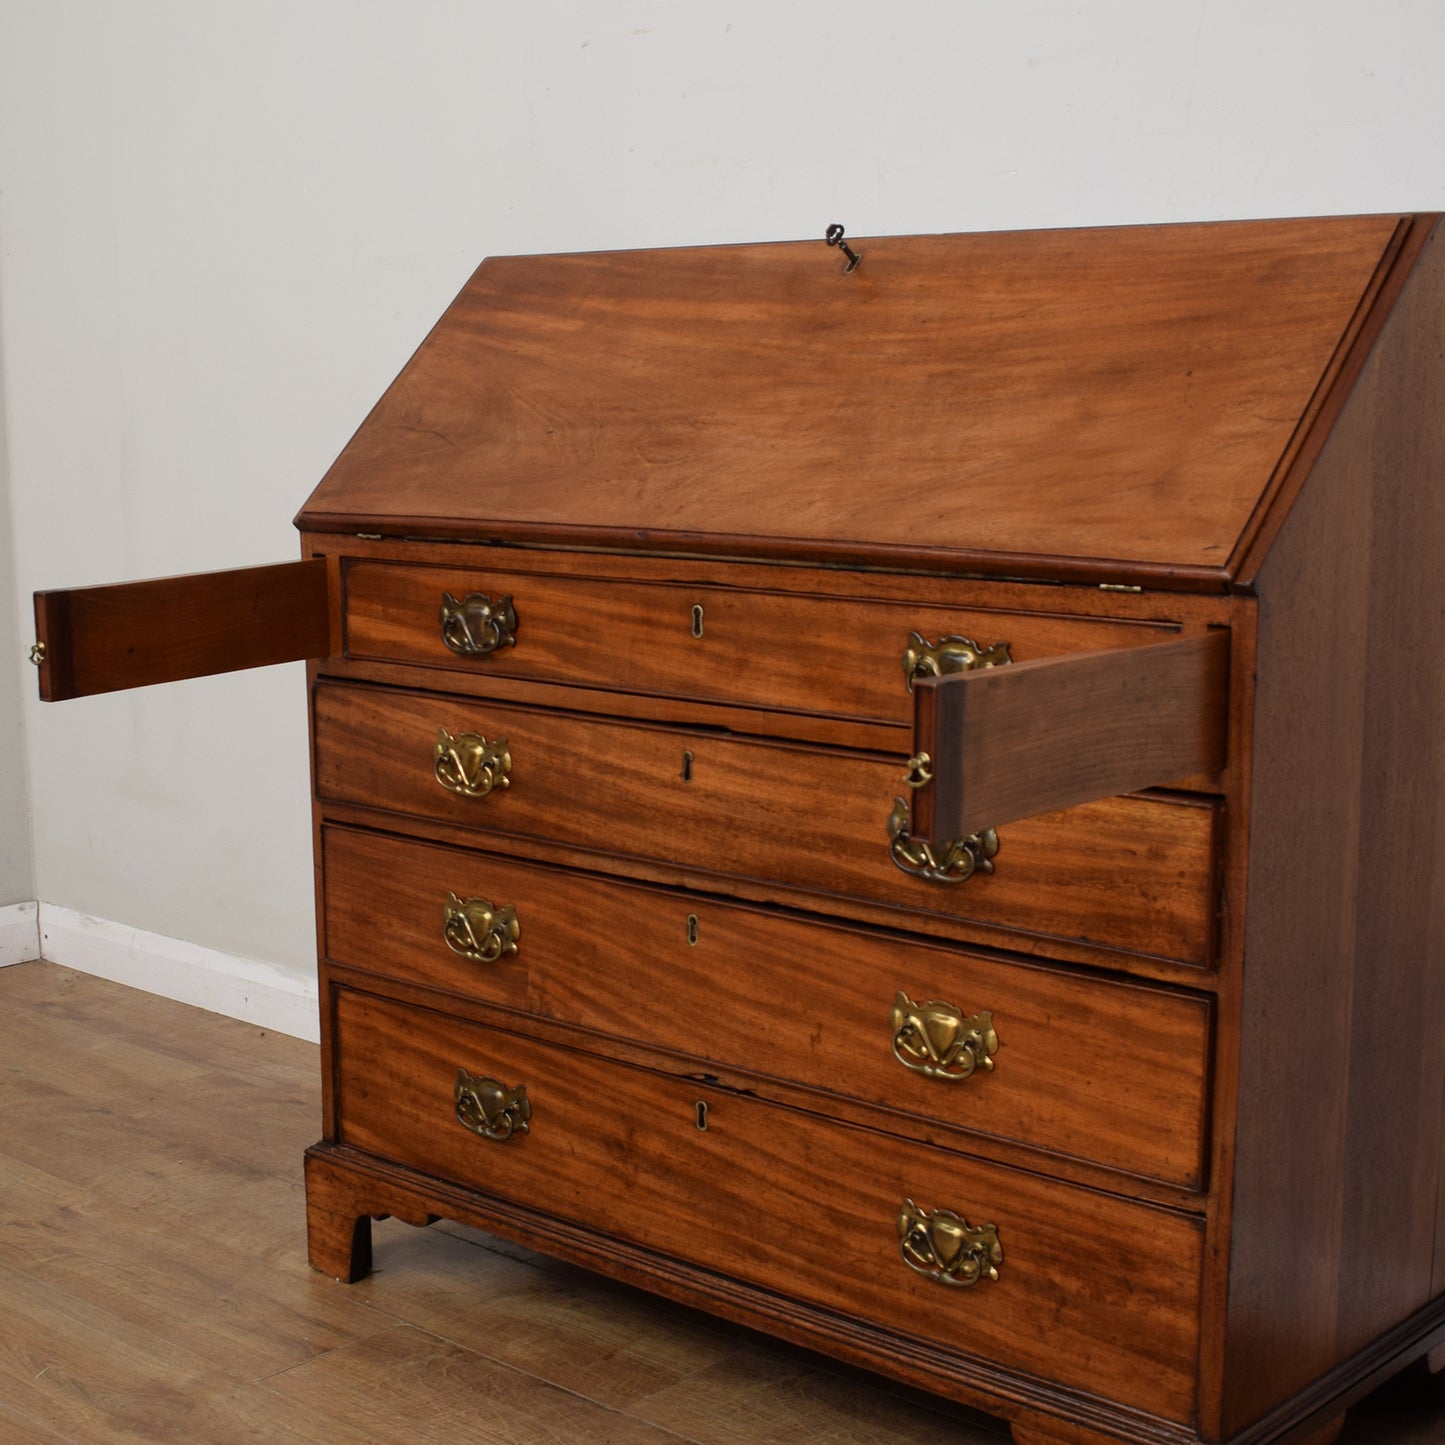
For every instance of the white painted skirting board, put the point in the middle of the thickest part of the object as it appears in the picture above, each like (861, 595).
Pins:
(19, 934)
(242, 988)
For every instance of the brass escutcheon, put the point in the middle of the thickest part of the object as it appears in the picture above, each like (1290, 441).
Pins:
(922, 658)
(936, 1039)
(478, 930)
(942, 1246)
(953, 863)
(478, 625)
(489, 1108)
(37, 653)
(469, 765)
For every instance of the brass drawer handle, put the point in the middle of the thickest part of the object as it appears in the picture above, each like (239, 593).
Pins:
(469, 765)
(936, 1039)
(948, 655)
(478, 930)
(953, 863)
(489, 1108)
(942, 1246)
(919, 773)
(478, 625)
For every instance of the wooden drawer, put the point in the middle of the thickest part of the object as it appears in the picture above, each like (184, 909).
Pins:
(794, 652)
(1094, 1291)
(1133, 873)
(809, 1003)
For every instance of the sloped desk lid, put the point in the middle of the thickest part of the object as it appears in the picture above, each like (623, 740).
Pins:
(1113, 404)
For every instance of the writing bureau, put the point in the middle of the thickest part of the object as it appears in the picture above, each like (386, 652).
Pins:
(899, 802)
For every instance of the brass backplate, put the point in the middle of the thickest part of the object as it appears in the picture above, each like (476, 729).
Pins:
(922, 658)
(954, 862)
(478, 625)
(488, 1107)
(478, 929)
(469, 765)
(942, 1246)
(937, 1040)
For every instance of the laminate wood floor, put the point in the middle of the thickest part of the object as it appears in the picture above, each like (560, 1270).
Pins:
(154, 1285)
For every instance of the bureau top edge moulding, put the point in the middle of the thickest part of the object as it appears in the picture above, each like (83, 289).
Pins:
(949, 749)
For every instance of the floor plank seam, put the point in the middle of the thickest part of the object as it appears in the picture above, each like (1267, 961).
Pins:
(445, 1339)
(392, 1322)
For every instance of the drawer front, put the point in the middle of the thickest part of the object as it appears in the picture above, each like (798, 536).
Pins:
(1104, 1071)
(788, 651)
(1091, 1290)
(1133, 873)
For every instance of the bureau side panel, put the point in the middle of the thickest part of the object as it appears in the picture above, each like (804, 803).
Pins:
(1397, 1037)
(1338, 1146)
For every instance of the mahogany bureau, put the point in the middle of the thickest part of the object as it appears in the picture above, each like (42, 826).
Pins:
(897, 800)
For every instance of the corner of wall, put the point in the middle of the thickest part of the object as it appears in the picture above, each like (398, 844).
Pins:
(19, 934)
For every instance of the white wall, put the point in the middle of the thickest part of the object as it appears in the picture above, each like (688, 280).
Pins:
(17, 873)
(224, 226)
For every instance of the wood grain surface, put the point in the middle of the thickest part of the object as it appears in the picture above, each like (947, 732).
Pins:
(1340, 1149)
(135, 634)
(1116, 398)
(1012, 742)
(789, 1203)
(807, 818)
(739, 988)
(832, 654)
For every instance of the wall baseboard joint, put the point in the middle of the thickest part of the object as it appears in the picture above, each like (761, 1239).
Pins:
(241, 988)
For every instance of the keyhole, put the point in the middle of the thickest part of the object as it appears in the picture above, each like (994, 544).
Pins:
(692, 930)
(686, 767)
(702, 1114)
(697, 619)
